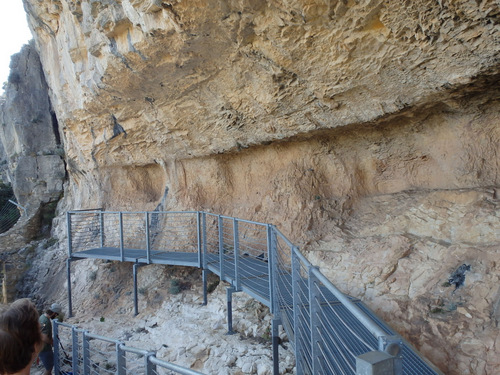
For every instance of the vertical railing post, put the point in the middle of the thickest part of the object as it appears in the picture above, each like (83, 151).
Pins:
(121, 362)
(68, 277)
(204, 258)
(101, 225)
(150, 366)
(57, 354)
(296, 299)
(86, 354)
(314, 306)
(272, 256)
(271, 267)
(68, 226)
(122, 252)
(204, 238)
(136, 303)
(236, 254)
(74, 350)
(221, 248)
(148, 242)
(198, 238)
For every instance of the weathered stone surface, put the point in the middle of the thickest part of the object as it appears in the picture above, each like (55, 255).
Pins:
(367, 131)
(3, 159)
(199, 78)
(176, 326)
(29, 134)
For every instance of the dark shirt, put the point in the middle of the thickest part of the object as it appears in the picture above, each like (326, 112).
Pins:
(46, 328)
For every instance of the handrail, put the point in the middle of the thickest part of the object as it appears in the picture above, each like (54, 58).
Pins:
(354, 309)
(174, 367)
(80, 361)
(288, 242)
(102, 338)
(130, 212)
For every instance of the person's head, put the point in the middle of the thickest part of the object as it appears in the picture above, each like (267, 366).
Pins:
(56, 308)
(20, 337)
(54, 311)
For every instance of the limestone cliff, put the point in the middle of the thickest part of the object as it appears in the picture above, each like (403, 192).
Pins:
(31, 149)
(368, 131)
(29, 134)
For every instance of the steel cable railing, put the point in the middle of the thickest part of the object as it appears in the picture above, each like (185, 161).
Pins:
(79, 352)
(135, 235)
(85, 230)
(173, 231)
(328, 330)
(9, 214)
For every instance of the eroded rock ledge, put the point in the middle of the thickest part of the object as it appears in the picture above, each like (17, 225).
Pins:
(198, 78)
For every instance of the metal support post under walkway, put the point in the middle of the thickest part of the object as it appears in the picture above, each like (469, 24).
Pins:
(136, 303)
(276, 343)
(204, 274)
(229, 292)
(68, 278)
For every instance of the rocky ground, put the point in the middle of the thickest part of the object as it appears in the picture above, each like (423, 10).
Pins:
(171, 322)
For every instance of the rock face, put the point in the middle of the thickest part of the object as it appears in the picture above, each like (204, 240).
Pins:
(368, 132)
(31, 159)
(30, 135)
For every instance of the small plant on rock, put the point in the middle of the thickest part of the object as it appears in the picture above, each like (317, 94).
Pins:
(175, 286)
(92, 275)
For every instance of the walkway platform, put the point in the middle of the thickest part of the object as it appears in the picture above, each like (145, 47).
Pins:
(141, 256)
(328, 329)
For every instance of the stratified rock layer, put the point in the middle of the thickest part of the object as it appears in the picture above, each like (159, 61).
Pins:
(367, 131)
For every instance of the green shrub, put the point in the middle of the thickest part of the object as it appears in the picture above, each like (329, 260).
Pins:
(50, 242)
(175, 286)
(212, 286)
(92, 275)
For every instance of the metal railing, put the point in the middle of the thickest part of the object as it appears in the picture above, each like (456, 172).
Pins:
(79, 352)
(330, 331)
(150, 231)
(10, 213)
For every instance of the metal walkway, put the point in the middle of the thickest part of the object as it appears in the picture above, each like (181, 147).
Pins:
(331, 332)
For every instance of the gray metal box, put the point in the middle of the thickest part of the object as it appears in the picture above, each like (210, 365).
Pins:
(375, 363)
